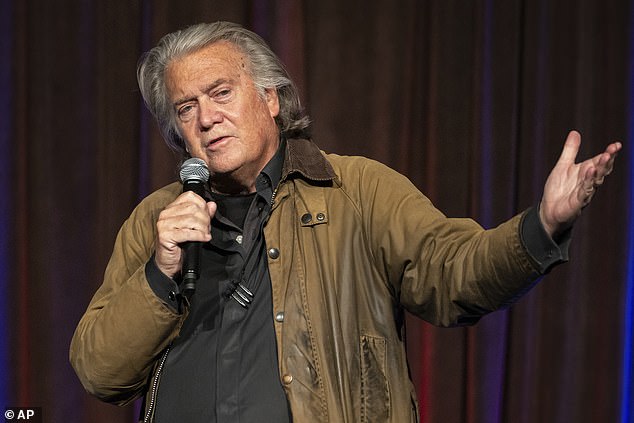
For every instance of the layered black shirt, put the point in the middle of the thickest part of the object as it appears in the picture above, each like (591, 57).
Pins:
(223, 365)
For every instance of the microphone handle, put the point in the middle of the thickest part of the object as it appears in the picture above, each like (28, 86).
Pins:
(191, 250)
(191, 263)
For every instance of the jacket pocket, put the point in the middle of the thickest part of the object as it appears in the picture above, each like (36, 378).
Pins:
(375, 393)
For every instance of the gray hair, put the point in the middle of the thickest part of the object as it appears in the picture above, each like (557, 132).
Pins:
(266, 70)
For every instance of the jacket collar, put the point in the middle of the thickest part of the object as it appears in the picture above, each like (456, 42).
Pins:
(304, 157)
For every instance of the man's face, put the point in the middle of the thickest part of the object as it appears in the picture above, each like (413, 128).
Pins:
(222, 117)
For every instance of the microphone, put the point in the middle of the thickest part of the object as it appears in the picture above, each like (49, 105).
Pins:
(194, 175)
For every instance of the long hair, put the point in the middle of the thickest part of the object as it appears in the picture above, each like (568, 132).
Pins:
(266, 70)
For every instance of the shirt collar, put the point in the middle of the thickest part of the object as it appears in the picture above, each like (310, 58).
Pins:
(271, 175)
(273, 169)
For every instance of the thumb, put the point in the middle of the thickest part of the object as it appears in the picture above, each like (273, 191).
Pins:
(571, 148)
(211, 208)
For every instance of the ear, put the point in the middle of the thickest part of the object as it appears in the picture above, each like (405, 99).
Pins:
(272, 101)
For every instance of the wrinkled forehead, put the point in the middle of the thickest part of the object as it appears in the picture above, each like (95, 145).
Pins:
(219, 56)
(221, 60)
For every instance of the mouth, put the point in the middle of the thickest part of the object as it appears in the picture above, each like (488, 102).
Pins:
(217, 141)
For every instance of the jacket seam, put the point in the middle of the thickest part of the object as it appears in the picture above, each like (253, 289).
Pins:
(313, 340)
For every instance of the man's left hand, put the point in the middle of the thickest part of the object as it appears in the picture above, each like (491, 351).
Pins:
(571, 186)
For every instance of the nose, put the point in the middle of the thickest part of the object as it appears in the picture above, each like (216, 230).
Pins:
(209, 114)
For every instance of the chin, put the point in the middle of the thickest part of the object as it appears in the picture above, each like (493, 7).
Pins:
(219, 164)
(221, 169)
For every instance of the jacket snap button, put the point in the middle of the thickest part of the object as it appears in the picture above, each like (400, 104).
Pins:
(274, 253)
(306, 218)
(287, 379)
(321, 216)
(172, 296)
(279, 317)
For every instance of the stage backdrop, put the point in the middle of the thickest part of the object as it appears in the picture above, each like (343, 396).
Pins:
(470, 99)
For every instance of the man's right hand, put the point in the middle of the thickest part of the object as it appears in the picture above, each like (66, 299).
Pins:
(188, 218)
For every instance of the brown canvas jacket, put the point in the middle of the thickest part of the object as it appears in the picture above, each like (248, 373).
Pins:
(350, 243)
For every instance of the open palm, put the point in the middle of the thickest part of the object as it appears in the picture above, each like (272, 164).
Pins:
(571, 186)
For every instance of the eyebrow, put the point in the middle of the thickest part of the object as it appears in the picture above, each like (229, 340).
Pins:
(208, 88)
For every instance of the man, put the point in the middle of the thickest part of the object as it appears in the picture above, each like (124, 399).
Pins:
(308, 259)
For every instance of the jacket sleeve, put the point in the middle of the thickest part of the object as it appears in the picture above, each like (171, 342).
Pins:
(447, 271)
(126, 325)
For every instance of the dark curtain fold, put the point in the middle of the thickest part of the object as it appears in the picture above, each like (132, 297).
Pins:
(470, 99)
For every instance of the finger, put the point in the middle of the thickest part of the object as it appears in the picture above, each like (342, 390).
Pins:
(184, 207)
(587, 188)
(571, 148)
(187, 198)
(589, 178)
(190, 224)
(211, 209)
(178, 230)
(603, 167)
(185, 222)
(612, 150)
(604, 163)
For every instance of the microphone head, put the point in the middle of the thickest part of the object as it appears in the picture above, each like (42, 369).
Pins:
(194, 170)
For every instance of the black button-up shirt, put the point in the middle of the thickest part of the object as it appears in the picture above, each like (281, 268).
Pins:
(223, 365)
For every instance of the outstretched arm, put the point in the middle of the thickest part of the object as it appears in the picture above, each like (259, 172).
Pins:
(571, 186)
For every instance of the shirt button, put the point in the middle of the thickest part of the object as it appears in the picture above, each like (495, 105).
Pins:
(321, 216)
(279, 317)
(287, 379)
(306, 218)
(274, 253)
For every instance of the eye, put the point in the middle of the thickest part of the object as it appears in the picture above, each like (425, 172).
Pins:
(222, 94)
(185, 111)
